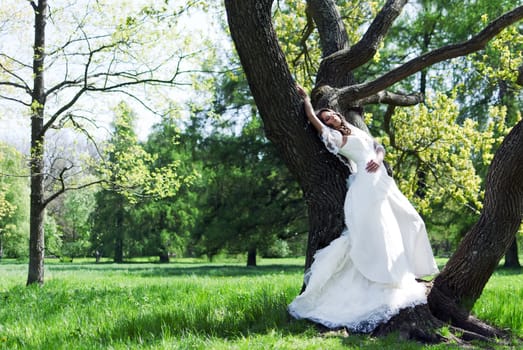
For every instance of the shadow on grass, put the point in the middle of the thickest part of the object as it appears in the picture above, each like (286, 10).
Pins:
(509, 271)
(158, 270)
(225, 270)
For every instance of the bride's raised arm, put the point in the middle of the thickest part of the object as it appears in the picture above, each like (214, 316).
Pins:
(318, 125)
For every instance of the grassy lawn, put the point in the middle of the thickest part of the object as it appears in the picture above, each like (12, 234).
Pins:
(190, 304)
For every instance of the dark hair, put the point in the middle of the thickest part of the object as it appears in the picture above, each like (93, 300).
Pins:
(345, 130)
(321, 110)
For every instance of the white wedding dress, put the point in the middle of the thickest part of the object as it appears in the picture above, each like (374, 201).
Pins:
(367, 275)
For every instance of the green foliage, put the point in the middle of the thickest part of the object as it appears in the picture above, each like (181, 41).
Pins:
(14, 203)
(435, 161)
(163, 224)
(53, 239)
(192, 305)
(110, 224)
(249, 200)
(133, 213)
(300, 42)
(74, 223)
(440, 151)
(129, 169)
(434, 156)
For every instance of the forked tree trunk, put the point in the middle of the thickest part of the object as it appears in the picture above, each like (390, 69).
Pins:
(322, 176)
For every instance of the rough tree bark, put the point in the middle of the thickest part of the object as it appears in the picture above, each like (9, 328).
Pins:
(478, 254)
(511, 256)
(281, 108)
(322, 176)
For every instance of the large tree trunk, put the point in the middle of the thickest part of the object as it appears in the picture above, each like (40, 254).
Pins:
(37, 203)
(480, 251)
(511, 256)
(322, 176)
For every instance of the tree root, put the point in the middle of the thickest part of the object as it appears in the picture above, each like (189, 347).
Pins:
(445, 309)
(419, 324)
(425, 323)
(414, 323)
(441, 320)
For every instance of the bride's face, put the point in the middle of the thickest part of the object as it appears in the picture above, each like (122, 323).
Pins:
(331, 119)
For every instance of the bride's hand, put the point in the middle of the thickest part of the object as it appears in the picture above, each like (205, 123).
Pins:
(372, 166)
(302, 92)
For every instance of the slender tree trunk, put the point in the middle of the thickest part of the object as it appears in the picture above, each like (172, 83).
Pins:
(251, 257)
(118, 250)
(119, 233)
(37, 204)
(164, 255)
(511, 256)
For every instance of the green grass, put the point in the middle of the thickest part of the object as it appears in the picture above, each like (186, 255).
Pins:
(189, 304)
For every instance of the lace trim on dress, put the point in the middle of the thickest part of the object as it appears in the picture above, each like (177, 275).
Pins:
(333, 140)
(367, 324)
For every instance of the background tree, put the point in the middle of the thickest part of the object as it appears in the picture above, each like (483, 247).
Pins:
(91, 49)
(322, 176)
(131, 174)
(164, 224)
(74, 223)
(249, 202)
(14, 203)
(111, 219)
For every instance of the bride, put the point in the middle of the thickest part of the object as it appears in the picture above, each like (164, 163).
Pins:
(368, 274)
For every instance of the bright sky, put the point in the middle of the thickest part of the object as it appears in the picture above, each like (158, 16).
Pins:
(16, 37)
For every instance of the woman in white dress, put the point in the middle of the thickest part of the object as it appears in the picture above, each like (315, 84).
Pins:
(368, 274)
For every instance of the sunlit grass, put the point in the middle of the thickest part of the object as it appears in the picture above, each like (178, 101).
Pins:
(499, 304)
(188, 305)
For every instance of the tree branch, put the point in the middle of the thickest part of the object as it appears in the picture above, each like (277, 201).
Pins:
(390, 98)
(387, 121)
(346, 60)
(64, 189)
(64, 108)
(361, 52)
(415, 65)
(75, 98)
(88, 80)
(27, 104)
(62, 185)
(333, 36)
(22, 85)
